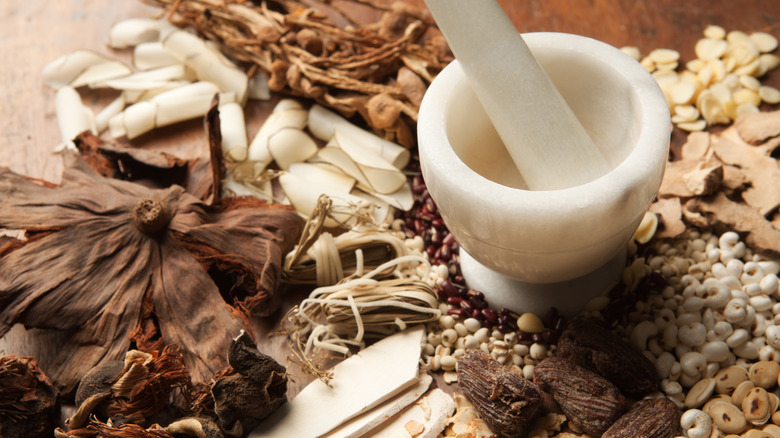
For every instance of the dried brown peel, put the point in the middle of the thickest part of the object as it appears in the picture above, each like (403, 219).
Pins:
(92, 269)
(727, 181)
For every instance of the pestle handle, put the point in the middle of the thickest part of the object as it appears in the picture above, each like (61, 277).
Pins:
(548, 144)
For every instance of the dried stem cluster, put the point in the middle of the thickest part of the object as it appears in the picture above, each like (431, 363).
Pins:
(379, 71)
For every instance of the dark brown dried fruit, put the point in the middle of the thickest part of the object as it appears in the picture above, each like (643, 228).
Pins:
(591, 345)
(650, 418)
(505, 400)
(590, 401)
(257, 387)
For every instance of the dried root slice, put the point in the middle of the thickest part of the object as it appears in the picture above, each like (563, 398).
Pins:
(466, 421)
(149, 80)
(135, 31)
(151, 55)
(288, 113)
(424, 419)
(324, 123)
(370, 170)
(82, 67)
(290, 145)
(504, 399)
(181, 103)
(209, 64)
(73, 117)
(304, 199)
(233, 129)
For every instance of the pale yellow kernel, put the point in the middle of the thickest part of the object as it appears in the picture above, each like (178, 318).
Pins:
(749, 82)
(764, 41)
(746, 96)
(682, 93)
(708, 48)
(697, 125)
(714, 32)
(695, 65)
(752, 69)
(746, 108)
(769, 94)
(664, 56)
(632, 52)
(769, 60)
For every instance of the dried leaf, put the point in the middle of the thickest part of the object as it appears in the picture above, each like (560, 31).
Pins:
(90, 268)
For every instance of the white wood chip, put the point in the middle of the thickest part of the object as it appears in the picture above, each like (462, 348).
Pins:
(359, 426)
(432, 412)
(360, 382)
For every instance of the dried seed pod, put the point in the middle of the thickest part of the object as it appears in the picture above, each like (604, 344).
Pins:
(590, 345)
(649, 418)
(505, 400)
(590, 401)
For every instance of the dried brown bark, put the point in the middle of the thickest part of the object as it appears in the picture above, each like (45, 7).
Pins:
(88, 269)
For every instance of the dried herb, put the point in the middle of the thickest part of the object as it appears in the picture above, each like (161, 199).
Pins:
(27, 399)
(256, 387)
(110, 261)
(375, 70)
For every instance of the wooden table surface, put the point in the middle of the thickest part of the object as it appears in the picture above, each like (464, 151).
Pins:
(35, 32)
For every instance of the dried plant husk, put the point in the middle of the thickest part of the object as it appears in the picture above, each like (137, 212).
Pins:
(28, 401)
(106, 261)
(343, 67)
(134, 390)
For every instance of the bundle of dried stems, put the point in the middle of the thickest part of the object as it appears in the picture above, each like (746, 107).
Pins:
(379, 70)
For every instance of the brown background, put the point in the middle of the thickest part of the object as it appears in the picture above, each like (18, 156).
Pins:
(35, 32)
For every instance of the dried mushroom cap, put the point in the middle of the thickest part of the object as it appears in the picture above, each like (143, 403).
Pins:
(125, 284)
(28, 401)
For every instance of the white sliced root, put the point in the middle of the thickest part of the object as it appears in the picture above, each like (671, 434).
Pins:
(288, 113)
(134, 31)
(402, 199)
(323, 174)
(303, 197)
(233, 129)
(262, 189)
(82, 67)
(147, 56)
(73, 117)
(182, 103)
(323, 124)
(149, 80)
(133, 96)
(115, 107)
(371, 170)
(290, 145)
(208, 65)
(258, 87)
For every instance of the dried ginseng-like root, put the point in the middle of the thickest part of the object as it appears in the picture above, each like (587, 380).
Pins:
(588, 400)
(592, 346)
(650, 418)
(505, 400)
